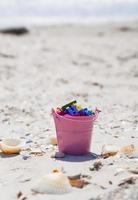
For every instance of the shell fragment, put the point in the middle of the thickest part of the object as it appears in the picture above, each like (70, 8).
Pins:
(109, 150)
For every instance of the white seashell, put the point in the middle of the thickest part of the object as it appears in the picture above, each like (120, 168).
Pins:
(10, 146)
(109, 150)
(53, 183)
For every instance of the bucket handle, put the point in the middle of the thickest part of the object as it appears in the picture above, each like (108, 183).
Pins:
(97, 111)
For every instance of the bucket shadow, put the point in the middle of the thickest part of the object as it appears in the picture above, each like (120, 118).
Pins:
(83, 158)
(2, 155)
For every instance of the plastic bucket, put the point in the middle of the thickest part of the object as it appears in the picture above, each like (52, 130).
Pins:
(74, 133)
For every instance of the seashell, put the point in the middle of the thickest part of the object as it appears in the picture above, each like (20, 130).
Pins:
(130, 151)
(127, 150)
(78, 183)
(36, 152)
(109, 150)
(53, 140)
(11, 146)
(53, 183)
(78, 180)
(130, 180)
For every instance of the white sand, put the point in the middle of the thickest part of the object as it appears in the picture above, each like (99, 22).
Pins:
(50, 66)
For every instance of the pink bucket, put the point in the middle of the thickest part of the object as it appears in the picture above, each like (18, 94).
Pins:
(74, 133)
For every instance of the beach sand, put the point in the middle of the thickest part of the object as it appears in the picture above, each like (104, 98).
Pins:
(50, 66)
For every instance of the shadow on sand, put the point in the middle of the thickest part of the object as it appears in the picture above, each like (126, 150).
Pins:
(83, 158)
(2, 155)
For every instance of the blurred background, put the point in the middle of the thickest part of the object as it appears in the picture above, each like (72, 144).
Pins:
(44, 65)
(41, 12)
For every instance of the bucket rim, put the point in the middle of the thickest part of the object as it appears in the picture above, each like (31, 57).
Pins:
(89, 118)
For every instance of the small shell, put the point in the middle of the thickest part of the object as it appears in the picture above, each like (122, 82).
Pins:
(36, 152)
(109, 150)
(130, 151)
(53, 140)
(53, 183)
(10, 146)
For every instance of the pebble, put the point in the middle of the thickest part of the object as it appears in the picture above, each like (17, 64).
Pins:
(25, 157)
(58, 155)
(29, 141)
(96, 166)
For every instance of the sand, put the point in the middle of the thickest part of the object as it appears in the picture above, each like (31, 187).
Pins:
(50, 66)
